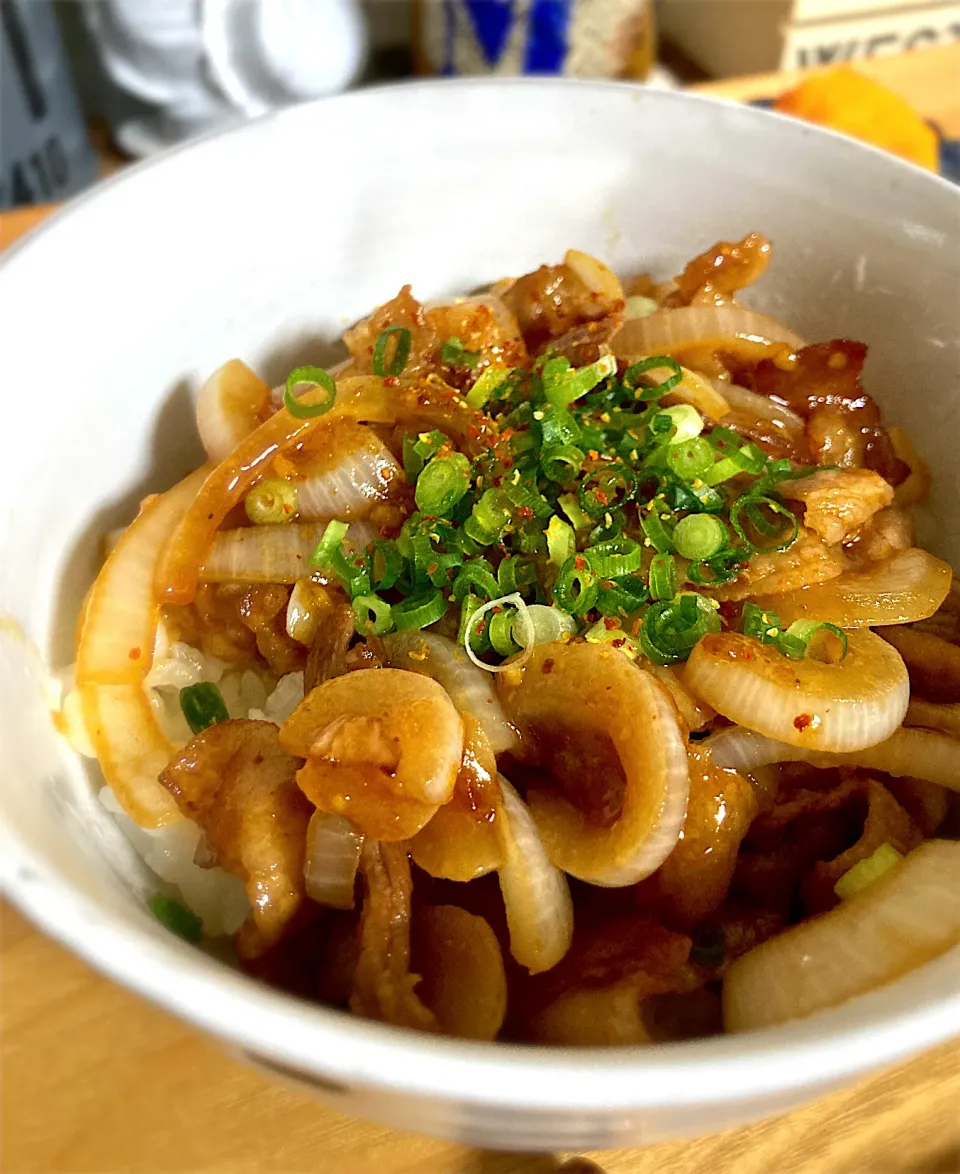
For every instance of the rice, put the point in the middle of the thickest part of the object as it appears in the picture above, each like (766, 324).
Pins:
(215, 896)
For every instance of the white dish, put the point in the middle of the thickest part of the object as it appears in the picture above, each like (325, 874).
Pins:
(261, 244)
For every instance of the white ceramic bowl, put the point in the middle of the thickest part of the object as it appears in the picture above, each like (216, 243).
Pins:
(264, 242)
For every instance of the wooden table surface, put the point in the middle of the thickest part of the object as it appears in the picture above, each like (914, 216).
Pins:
(95, 1081)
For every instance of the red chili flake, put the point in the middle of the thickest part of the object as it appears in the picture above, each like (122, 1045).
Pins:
(580, 562)
(134, 654)
(601, 497)
(619, 642)
(391, 381)
(802, 720)
(635, 626)
(593, 454)
(547, 666)
(473, 431)
(496, 481)
(507, 434)
(481, 627)
(524, 511)
(508, 462)
(610, 623)
(432, 568)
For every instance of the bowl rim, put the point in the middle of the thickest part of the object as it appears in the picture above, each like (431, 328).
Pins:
(333, 1045)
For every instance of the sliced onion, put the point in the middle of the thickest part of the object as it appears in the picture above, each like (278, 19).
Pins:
(462, 978)
(916, 487)
(694, 713)
(670, 331)
(232, 403)
(309, 603)
(695, 390)
(471, 690)
(273, 553)
(594, 274)
(120, 616)
(535, 892)
(132, 751)
(593, 695)
(854, 703)
(909, 586)
(760, 409)
(331, 861)
(462, 842)
(907, 917)
(357, 473)
(361, 398)
(907, 753)
(930, 715)
(262, 554)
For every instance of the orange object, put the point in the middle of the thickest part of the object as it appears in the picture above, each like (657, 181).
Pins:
(856, 105)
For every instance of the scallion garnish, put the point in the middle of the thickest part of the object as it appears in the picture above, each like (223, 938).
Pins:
(177, 918)
(272, 502)
(419, 611)
(401, 351)
(442, 483)
(373, 615)
(663, 577)
(576, 588)
(614, 558)
(203, 706)
(485, 385)
(671, 628)
(754, 510)
(802, 639)
(657, 362)
(315, 377)
(699, 536)
(561, 541)
(455, 354)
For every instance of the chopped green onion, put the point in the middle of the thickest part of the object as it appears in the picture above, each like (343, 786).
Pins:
(562, 462)
(690, 458)
(516, 575)
(455, 354)
(655, 363)
(673, 627)
(203, 706)
(865, 872)
(442, 483)
(319, 378)
(475, 577)
(614, 558)
(558, 427)
(761, 624)
(601, 634)
(486, 383)
(522, 493)
(699, 536)
(561, 541)
(753, 506)
(479, 641)
(562, 385)
(177, 918)
(372, 615)
(723, 567)
(663, 577)
(330, 544)
(576, 588)
(488, 517)
(400, 354)
(539, 624)
(620, 599)
(682, 421)
(419, 611)
(722, 471)
(800, 640)
(386, 564)
(744, 458)
(571, 507)
(271, 502)
(501, 633)
(658, 525)
(607, 488)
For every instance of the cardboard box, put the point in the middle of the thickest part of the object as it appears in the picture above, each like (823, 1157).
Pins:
(732, 37)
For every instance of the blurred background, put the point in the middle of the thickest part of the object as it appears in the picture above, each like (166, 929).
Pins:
(86, 85)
